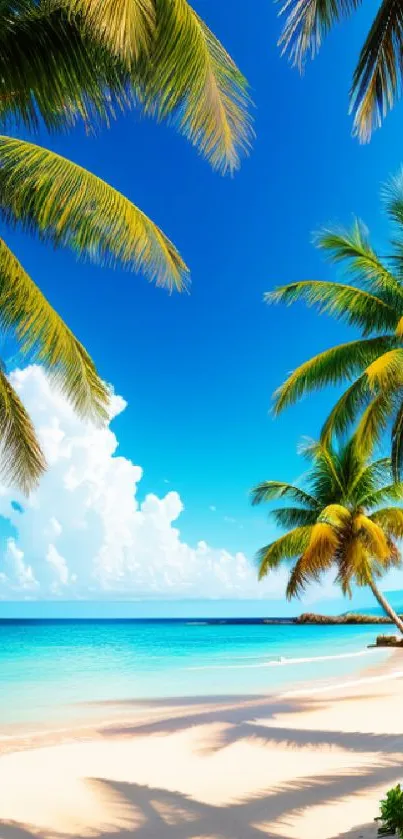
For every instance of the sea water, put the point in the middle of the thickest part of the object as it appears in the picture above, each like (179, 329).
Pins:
(51, 669)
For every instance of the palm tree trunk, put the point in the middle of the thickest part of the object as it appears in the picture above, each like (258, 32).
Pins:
(385, 605)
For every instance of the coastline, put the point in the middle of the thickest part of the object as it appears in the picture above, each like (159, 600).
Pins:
(241, 767)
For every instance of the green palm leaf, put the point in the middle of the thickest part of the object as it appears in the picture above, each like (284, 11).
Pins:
(286, 547)
(125, 27)
(378, 75)
(331, 367)
(363, 264)
(391, 492)
(49, 68)
(290, 517)
(190, 78)
(308, 22)
(21, 458)
(68, 206)
(390, 519)
(345, 302)
(44, 336)
(270, 490)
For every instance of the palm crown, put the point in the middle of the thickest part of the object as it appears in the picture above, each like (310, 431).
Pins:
(338, 521)
(373, 364)
(377, 77)
(67, 60)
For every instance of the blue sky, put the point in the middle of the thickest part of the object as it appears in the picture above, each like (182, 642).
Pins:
(198, 370)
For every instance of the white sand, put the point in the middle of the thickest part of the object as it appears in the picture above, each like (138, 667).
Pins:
(301, 767)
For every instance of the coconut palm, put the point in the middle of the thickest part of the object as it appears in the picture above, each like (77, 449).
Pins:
(377, 78)
(372, 364)
(337, 522)
(61, 62)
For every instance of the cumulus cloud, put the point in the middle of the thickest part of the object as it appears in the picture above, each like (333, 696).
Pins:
(85, 534)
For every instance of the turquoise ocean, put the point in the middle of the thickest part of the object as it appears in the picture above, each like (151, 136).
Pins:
(51, 671)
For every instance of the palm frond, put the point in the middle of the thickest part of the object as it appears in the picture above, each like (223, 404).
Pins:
(353, 248)
(319, 554)
(378, 76)
(336, 515)
(386, 372)
(390, 492)
(370, 477)
(274, 490)
(307, 23)
(373, 422)
(344, 302)
(125, 27)
(286, 547)
(290, 517)
(331, 367)
(345, 410)
(44, 336)
(189, 77)
(352, 562)
(397, 443)
(392, 194)
(51, 69)
(372, 536)
(68, 206)
(390, 519)
(22, 461)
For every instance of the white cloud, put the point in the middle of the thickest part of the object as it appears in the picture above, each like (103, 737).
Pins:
(85, 534)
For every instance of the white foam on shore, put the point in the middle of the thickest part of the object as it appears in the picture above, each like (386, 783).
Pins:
(282, 661)
(366, 680)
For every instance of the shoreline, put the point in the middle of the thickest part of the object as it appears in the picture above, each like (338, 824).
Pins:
(313, 761)
(23, 736)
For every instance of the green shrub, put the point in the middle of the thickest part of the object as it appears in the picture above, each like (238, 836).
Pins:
(392, 811)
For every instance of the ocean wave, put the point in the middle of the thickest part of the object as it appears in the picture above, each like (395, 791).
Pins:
(282, 661)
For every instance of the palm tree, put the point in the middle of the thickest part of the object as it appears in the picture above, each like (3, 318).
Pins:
(373, 363)
(337, 522)
(377, 78)
(61, 62)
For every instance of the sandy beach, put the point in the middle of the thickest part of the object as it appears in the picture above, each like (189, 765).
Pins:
(306, 764)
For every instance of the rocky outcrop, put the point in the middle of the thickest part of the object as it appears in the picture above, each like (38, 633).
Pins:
(349, 618)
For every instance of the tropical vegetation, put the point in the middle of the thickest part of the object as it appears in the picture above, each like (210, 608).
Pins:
(62, 61)
(377, 78)
(345, 519)
(371, 301)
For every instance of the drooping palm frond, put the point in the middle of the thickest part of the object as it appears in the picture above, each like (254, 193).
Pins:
(308, 22)
(286, 547)
(373, 536)
(385, 373)
(190, 78)
(373, 422)
(51, 70)
(377, 78)
(346, 409)
(345, 302)
(68, 206)
(390, 519)
(44, 336)
(125, 27)
(331, 367)
(271, 490)
(22, 461)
